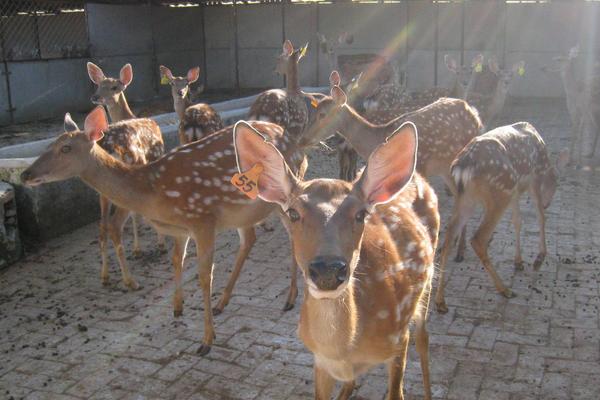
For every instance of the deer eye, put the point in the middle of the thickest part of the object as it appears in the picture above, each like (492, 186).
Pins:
(114, 88)
(65, 149)
(360, 216)
(293, 214)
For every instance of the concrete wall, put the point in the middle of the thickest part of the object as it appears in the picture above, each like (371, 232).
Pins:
(405, 32)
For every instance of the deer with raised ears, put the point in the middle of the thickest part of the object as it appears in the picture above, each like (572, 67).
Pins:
(186, 193)
(366, 251)
(195, 121)
(138, 141)
(494, 170)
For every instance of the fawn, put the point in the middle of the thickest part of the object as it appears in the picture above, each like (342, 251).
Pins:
(494, 170)
(186, 193)
(366, 251)
(195, 121)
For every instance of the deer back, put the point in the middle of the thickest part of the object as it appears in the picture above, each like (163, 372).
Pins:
(200, 120)
(134, 141)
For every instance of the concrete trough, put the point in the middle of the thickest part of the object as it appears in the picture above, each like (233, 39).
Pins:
(53, 209)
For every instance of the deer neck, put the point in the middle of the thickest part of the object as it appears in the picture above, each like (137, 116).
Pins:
(180, 105)
(569, 80)
(457, 90)
(360, 133)
(120, 110)
(292, 81)
(329, 327)
(123, 184)
(498, 99)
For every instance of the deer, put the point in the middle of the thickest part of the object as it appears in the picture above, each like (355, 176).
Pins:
(186, 194)
(135, 141)
(366, 252)
(494, 170)
(195, 121)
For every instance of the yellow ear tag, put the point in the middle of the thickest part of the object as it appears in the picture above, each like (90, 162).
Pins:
(247, 182)
(314, 103)
(303, 51)
(478, 67)
(164, 80)
(521, 71)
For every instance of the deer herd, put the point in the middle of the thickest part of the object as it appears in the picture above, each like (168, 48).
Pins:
(366, 243)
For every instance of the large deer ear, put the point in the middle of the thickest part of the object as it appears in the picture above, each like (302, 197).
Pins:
(193, 74)
(69, 124)
(276, 181)
(95, 73)
(96, 124)
(390, 167)
(288, 48)
(334, 79)
(338, 95)
(126, 75)
(166, 72)
(451, 63)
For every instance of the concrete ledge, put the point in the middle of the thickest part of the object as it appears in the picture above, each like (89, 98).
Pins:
(10, 240)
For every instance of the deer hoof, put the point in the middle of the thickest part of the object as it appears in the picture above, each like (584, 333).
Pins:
(441, 308)
(459, 258)
(133, 285)
(519, 265)
(105, 281)
(288, 306)
(203, 350)
(539, 260)
(177, 313)
(137, 253)
(217, 311)
(509, 294)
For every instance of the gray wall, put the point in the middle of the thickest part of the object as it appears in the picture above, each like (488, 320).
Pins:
(406, 32)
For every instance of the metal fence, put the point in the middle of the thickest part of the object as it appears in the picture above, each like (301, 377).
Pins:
(42, 30)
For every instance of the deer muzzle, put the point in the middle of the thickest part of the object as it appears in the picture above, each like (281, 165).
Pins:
(328, 272)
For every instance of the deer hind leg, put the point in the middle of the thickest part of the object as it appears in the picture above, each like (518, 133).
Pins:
(396, 371)
(462, 242)
(516, 221)
(422, 345)
(104, 216)
(293, 291)
(247, 240)
(463, 208)
(204, 236)
(493, 212)
(178, 258)
(162, 247)
(115, 231)
(346, 391)
(324, 384)
(137, 251)
(537, 199)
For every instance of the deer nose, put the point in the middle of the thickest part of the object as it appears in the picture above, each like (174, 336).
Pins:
(181, 93)
(327, 273)
(95, 99)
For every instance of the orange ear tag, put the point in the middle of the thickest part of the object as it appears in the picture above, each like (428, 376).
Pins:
(314, 103)
(247, 182)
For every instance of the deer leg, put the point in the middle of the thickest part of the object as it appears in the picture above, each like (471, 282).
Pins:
(104, 215)
(115, 231)
(178, 258)
(162, 247)
(137, 251)
(396, 371)
(462, 242)
(422, 345)
(537, 199)
(516, 220)
(324, 384)
(353, 156)
(463, 209)
(247, 239)
(293, 292)
(204, 236)
(346, 391)
(480, 241)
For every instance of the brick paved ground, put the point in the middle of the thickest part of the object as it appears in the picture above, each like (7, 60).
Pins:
(64, 336)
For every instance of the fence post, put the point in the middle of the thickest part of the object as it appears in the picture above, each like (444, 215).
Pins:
(204, 62)
(155, 80)
(236, 47)
(6, 74)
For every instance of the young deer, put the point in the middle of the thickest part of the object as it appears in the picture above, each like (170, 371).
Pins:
(493, 170)
(137, 141)
(366, 251)
(195, 121)
(186, 193)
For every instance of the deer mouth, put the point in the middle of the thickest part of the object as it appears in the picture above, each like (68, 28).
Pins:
(31, 182)
(319, 294)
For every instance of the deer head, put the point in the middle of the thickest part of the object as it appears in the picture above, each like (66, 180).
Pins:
(180, 85)
(505, 76)
(288, 56)
(326, 217)
(69, 154)
(109, 89)
(464, 73)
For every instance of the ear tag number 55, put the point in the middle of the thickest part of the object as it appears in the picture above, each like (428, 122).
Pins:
(247, 182)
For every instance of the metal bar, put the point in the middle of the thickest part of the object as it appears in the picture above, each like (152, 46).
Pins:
(236, 47)
(462, 32)
(204, 62)
(6, 74)
(318, 47)
(283, 3)
(436, 44)
(37, 35)
(155, 80)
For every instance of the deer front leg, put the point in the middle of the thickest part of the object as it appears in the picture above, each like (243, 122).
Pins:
(104, 215)
(346, 391)
(162, 247)
(204, 236)
(178, 258)
(422, 345)
(247, 240)
(537, 199)
(396, 371)
(293, 291)
(115, 231)
(137, 251)
(324, 383)
(516, 220)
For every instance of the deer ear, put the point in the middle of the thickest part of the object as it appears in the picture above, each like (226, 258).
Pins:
(276, 180)
(96, 124)
(166, 72)
(390, 167)
(477, 61)
(335, 79)
(95, 73)
(69, 124)
(338, 95)
(288, 48)
(193, 74)
(563, 160)
(126, 75)
(451, 63)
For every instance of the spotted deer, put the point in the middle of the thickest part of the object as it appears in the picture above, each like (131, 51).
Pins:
(134, 141)
(184, 194)
(366, 251)
(494, 170)
(195, 121)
